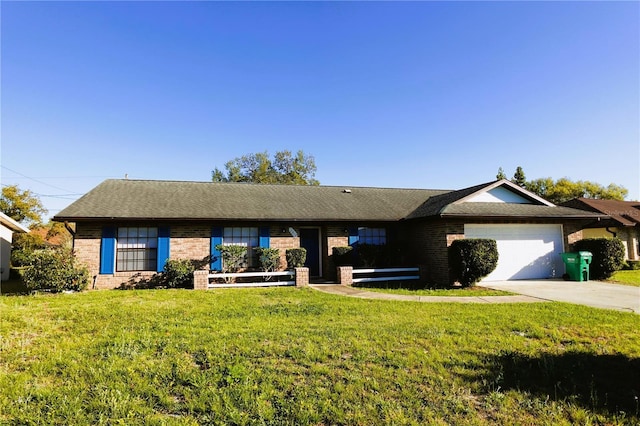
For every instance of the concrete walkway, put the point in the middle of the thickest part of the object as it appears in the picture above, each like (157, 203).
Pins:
(360, 293)
(591, 293)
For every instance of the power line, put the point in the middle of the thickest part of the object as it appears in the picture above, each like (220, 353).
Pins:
(35, 180)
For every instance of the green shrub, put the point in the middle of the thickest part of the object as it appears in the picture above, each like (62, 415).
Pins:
(56, 270)
(177, 273)
(632, 265)
(269, 258)
(233, 257)
(472, 259)
(608, 256)
(342, 256)
(296, 257)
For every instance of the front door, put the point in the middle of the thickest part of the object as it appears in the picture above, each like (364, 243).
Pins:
(310, 240)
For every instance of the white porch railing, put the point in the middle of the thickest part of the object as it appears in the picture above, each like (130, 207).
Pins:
(386, 274)
(264, 282)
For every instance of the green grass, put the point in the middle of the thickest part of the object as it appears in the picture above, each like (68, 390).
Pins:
(627, 277)
(459, 292)
(302, 357)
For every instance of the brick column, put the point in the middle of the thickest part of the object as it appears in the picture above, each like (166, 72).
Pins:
(345, 275)
(302, 277)
(200, 280)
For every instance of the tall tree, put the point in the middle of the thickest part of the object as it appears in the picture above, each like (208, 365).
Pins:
(285, 168)
(519, 178)
(565, 189)
(21, 206)
(501, 174)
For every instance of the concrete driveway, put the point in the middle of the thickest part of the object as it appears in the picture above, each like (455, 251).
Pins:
(590, 293)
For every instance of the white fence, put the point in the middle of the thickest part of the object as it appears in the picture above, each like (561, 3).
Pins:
(264, 282)
(386, 274)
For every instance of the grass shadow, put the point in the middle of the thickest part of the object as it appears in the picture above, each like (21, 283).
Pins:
(601, 383)
(14, 286)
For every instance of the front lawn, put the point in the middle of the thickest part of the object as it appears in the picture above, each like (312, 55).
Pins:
(458, 292)
(626, 277)
(302, 357)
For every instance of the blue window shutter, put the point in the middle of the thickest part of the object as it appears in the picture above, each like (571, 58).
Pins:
(264, 236)
(108, 250)
(353, 236)
(216, 258)
(164, 240)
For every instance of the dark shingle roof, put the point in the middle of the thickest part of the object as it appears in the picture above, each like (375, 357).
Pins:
(625, 213)
(138, 199)
(171, 200)
(509, 210)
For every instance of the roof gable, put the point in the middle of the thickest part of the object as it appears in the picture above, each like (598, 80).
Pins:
(504, 191)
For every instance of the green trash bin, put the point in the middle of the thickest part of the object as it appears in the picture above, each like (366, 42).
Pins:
(577, 265)
(585, 258)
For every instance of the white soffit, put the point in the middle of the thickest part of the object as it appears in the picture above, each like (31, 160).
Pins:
(499, 194)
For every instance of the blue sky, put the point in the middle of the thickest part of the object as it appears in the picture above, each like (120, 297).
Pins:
(392, 94)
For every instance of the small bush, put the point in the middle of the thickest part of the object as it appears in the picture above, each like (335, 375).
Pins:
(269, 258)
(608, 256)
(177, 273)
(56, 270)
(296, 257)
(342, 256)
(233, 257)
(472, 259)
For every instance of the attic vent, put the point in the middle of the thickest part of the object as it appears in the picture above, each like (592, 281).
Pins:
(346, 191)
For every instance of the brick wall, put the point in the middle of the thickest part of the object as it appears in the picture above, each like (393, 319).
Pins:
(428, 242)
(190, 241)
(283, 241)
(86, 246)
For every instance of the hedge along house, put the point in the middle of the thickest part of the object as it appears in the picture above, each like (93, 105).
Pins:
(131, 227)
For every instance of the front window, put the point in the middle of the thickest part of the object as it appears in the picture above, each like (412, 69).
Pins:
(373, 236)
(137, 249)
(243, 236)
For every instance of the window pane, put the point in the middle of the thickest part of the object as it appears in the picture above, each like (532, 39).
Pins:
(376, 236)
(245, 237)
(136, 249)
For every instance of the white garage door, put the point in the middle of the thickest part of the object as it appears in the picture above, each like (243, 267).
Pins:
(525, 251)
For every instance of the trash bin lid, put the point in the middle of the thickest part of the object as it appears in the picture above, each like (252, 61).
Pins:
(585, 254)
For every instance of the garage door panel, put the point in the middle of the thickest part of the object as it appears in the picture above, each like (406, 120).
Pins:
(524, 251)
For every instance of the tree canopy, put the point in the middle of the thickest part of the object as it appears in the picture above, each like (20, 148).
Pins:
(21, 206)
(564, 189)
(284, 168)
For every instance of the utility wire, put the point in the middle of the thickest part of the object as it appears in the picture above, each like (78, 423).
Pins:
(35, 180)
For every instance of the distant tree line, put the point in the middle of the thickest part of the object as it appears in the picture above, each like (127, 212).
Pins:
(564, 189)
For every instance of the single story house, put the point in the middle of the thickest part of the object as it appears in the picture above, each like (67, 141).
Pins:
(8, 227)
(623, 222)
(127, 227)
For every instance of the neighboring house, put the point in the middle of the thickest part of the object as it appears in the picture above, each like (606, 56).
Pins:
(128, 227)
(8, 227)
(623, 222)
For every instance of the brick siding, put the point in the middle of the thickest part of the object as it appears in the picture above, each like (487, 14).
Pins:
(427, 241)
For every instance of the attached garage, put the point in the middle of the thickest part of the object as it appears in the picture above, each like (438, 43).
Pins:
(526, 251)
